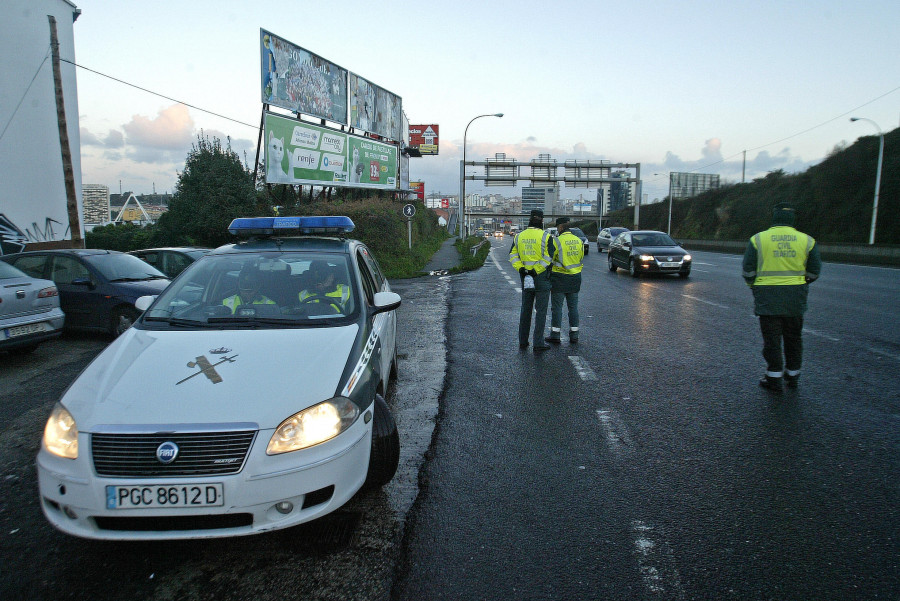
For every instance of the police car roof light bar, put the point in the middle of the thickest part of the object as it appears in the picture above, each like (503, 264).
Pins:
(269, 226)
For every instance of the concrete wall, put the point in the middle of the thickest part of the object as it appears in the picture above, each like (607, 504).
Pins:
(32, 185)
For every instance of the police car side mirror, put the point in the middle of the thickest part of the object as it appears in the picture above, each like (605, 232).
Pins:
(144, 302)
(386, 301)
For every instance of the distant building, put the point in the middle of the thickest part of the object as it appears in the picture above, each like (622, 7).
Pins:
(96, 205)
(544, 198)
(621, 194)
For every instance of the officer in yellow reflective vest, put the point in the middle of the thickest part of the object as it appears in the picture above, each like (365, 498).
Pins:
(565, 281)
(325, 289)
(530, 255)
(248, 291)
(779, 264)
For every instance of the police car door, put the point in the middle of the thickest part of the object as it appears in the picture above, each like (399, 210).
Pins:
(371, 275)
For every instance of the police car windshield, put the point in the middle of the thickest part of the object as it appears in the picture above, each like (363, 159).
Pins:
(259, 289)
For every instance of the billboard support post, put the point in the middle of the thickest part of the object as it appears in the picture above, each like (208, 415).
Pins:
(262, 122)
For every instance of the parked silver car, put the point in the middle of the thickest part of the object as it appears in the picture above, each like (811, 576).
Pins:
(29, 310)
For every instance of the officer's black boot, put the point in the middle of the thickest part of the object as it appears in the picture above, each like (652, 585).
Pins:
(791, 381)
(573, 336)
(553, 338)
(772, 383)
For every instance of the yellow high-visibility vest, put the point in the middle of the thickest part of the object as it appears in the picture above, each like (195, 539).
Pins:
(233, 302)
(781, 254)
(337, 298)
(529, 250)
(569, 255)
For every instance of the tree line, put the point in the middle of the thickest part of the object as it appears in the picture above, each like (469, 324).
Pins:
(833, 199)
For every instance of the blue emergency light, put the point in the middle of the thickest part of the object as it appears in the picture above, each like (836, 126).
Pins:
(269, 226)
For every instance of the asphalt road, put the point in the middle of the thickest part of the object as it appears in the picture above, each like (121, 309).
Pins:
(646, 463)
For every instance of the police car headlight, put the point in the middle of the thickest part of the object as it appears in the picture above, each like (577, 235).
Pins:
(313, 426)
(61, 433)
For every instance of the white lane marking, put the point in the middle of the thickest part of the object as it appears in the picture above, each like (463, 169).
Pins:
(584, 370)
(820, 335)
(656, 562)
(700, 300)
(884, 353)
(699, 263)
(615, 431)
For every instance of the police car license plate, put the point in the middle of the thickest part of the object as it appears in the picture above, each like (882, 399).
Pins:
(161, 496)
(668, 264)
(32, 328)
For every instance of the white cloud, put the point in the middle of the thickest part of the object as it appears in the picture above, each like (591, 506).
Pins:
(172, 129)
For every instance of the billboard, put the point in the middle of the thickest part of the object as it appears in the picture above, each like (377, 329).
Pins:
(418, 188)
(302, 153)
(425, 138)
(374, 109)
(300, 81)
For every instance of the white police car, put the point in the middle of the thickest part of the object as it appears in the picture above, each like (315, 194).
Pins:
(248, 397)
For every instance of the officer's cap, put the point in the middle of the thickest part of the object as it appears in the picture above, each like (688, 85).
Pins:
(783, 214)
(537, 213)
(562, 220)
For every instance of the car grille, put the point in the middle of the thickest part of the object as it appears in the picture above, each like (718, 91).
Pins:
(199, 454)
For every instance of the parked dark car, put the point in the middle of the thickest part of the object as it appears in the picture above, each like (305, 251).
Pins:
(578, 233)
(97, 288)
(607, 235)
(647, 251)
(170, 261)
(29, 311)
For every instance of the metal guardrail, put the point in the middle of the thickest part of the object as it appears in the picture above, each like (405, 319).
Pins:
(838, 253)
(475, 248)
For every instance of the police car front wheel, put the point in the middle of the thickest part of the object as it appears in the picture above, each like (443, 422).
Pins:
(385, 453)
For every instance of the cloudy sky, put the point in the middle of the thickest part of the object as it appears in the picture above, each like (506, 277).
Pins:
(675, 86)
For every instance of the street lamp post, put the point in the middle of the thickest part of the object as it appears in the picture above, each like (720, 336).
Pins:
(462, 174)
(877, 175)
(669, 231)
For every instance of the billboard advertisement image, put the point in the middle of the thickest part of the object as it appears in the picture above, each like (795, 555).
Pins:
(425, 138)
(374, 109)
(301, 153)
(300, 81)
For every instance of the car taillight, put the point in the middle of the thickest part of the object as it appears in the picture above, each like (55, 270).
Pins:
(48, 292)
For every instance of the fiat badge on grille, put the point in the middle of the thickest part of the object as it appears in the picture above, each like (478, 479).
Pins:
(167, 452)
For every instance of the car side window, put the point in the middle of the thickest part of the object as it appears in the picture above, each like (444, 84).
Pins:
(175, 263)
(65, 270)
(368, 281)
(375, 269)
(33, 266)
(152, 258)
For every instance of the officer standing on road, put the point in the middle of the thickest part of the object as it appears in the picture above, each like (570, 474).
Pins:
(779, 264)
(530, 255)
(565, 281)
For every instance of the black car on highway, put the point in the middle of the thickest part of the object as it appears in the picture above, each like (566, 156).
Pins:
(648, 251)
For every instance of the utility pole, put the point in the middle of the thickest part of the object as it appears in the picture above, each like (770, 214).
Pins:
(68, 172)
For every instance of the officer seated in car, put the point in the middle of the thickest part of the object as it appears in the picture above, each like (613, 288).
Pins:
(325, 289)
(248, 291)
